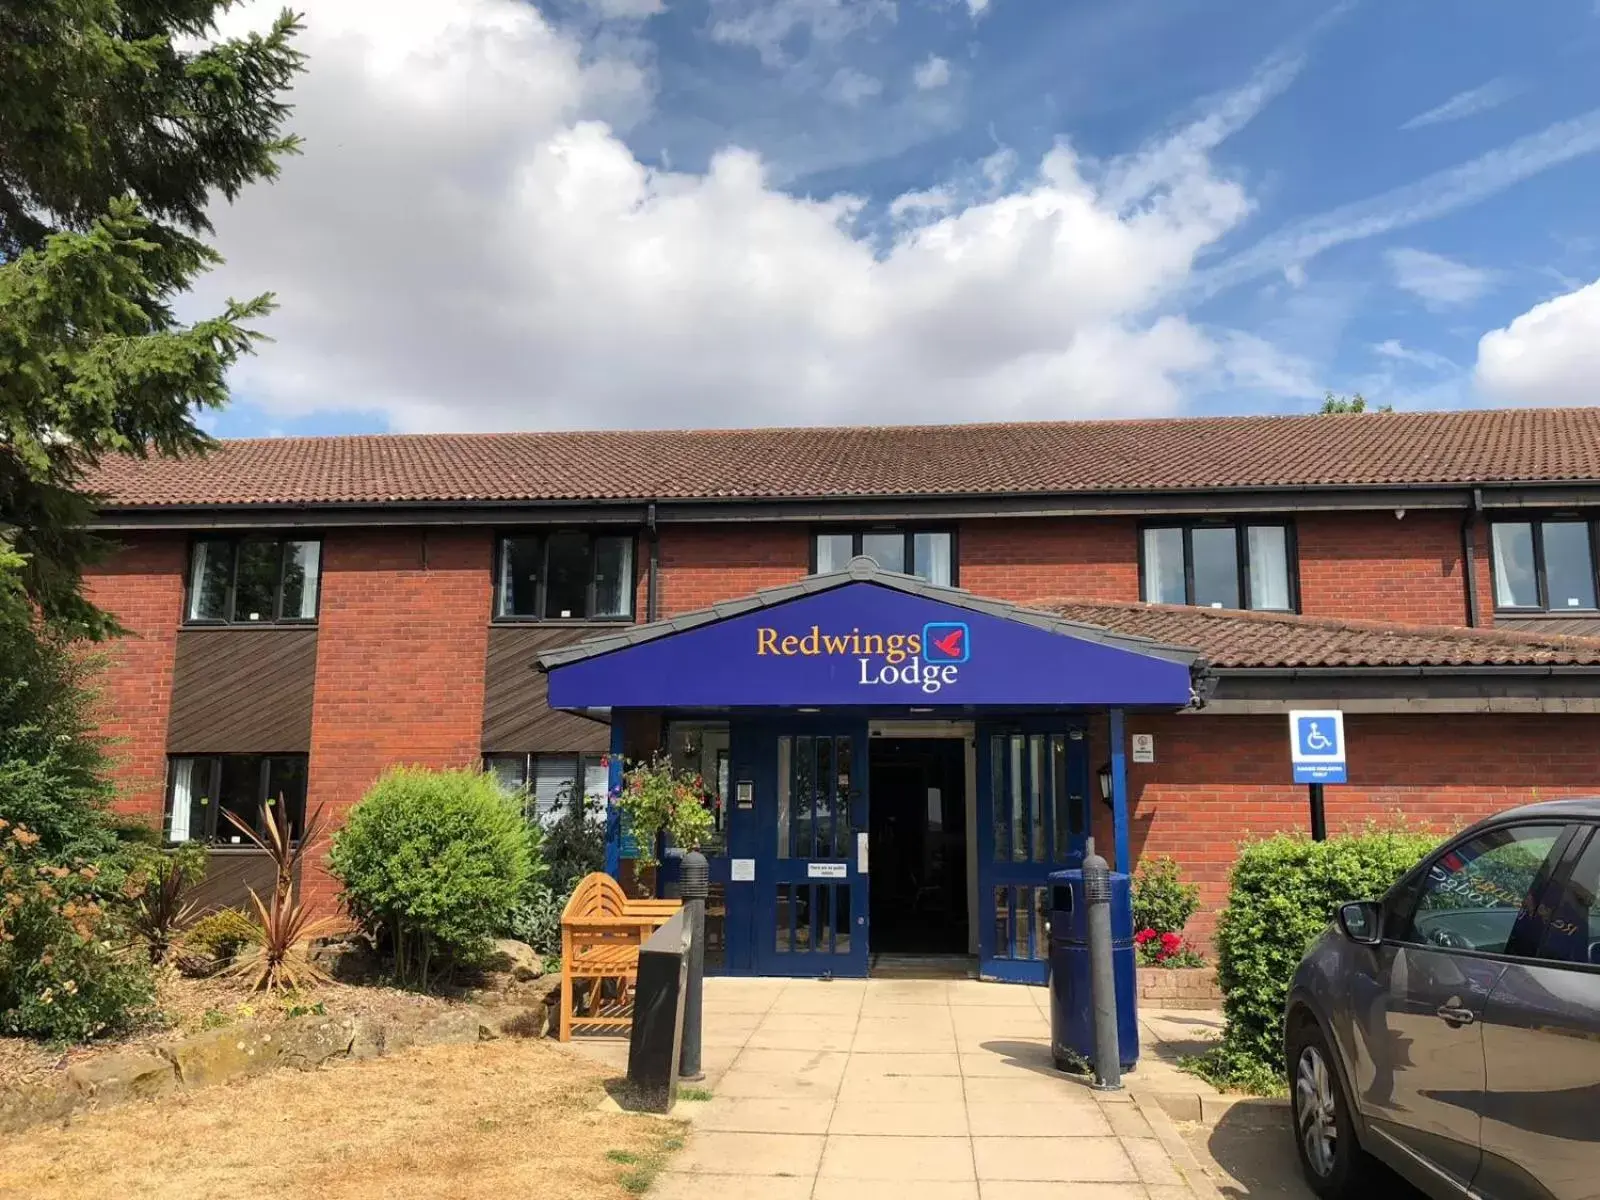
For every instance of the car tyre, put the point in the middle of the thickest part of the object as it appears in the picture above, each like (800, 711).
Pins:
(1334, 1164)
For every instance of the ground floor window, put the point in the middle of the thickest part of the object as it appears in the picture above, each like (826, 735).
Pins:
(201, 788)
(551, 782)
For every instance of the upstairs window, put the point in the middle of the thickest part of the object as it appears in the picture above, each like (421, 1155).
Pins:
(254, 581)
(1544, 566)
(201, 788)
(1244, 564)
(929, 554)
(565, 575)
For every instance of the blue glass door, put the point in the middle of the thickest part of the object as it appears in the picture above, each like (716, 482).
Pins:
(811, 916)
(1033, 818)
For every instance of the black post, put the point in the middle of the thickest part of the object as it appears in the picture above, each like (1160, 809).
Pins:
(1319, 818)
(1102, 973)
(695, 885)
(655, 1041)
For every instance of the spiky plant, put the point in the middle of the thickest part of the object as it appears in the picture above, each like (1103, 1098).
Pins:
(277, 958)
(163, 910)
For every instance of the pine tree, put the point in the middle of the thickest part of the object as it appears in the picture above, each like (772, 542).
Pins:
(119, 121)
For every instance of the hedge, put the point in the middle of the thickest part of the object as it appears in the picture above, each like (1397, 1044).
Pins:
(1283, 891)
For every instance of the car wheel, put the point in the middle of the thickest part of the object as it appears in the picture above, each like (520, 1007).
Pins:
(1333, 1161)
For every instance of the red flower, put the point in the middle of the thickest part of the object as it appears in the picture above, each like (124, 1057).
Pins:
(1143, 936)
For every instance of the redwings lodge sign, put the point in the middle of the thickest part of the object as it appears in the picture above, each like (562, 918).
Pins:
(929, 660)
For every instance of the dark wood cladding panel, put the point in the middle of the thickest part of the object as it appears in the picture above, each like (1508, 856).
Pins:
(1551, 623)
(230, 877)
(515, 715)
(243, 691)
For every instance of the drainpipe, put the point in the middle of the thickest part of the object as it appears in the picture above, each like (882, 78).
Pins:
(651, 578)
(1469, 546)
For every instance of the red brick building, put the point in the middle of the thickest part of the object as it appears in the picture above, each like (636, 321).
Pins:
(306, 612)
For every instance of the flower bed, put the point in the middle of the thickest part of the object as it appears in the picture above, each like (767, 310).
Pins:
(1179, 987)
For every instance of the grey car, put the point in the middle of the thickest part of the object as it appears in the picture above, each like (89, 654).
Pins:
(1451, 1030)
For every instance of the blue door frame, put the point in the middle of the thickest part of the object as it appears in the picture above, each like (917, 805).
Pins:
(1033, 818)
(810, 896)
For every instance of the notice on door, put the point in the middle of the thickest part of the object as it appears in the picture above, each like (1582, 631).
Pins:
(827, 870)
(742, 870)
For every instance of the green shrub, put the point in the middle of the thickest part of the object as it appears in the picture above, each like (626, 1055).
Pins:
(221, 934)
(1282, 893)
(572, 846)
(433, 863)
(1161, 900)
(66, 971)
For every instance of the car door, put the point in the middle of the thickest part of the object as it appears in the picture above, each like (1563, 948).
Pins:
(1541, 1044)
(1423, 1084)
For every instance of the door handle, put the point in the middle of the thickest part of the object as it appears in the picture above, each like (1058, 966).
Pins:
(1456, 1017)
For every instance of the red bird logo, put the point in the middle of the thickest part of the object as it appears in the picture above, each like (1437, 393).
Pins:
(950, 644)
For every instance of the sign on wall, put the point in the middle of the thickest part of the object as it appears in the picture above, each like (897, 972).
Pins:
(1316, 745)
(1144, 747)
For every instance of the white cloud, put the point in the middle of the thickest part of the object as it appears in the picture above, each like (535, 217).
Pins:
(1467, 104)
(464, 246)
(932, 73)
(1433, 196)
(1441, 282)
(976, 8)
(765, 25)
(850, 87)
(1548, 355)
(1397, 351)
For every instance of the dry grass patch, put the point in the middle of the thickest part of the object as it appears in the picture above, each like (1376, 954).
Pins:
(495, 1119)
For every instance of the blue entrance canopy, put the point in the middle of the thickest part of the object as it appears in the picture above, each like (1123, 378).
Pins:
(868, 638)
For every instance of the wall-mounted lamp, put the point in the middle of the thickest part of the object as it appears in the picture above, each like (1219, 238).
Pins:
(1105, 783)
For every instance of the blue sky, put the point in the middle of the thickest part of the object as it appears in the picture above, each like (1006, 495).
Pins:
(542, 223)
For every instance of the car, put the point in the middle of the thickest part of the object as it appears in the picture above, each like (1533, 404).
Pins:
(1451, 1030)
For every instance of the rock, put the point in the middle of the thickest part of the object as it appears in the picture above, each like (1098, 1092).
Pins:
(132, 1074)
(516, 959)
(35, 1104)
(349, 960)
(459, 1026)
(526, 1022)
(223, 1054)
(308, 1042)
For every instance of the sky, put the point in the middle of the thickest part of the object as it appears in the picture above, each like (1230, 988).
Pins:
(689, 213)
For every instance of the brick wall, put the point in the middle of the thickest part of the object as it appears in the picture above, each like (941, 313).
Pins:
(143, 586)
(400, 661)
(701, 565)
(1219, 780)
(1374, 567)
(1080, 558)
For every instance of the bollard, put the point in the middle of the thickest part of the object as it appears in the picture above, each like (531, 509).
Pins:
(695, 885)
(1102, 974)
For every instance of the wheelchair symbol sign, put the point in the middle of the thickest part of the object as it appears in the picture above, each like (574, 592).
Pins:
(1316, 746)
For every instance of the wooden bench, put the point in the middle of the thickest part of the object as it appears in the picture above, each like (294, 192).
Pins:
(601, 932)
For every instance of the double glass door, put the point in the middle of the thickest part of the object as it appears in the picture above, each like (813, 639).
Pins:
(810, 877)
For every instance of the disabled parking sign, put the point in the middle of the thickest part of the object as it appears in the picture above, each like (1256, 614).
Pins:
(1316, 746)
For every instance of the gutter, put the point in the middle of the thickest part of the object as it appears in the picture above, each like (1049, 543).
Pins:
(652, 578)
(1442, 671)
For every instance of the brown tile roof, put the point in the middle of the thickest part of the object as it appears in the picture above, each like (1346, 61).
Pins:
(1375, 449)
(1248, 639)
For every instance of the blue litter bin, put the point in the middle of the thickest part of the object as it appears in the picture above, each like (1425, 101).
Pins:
(1071, 1001)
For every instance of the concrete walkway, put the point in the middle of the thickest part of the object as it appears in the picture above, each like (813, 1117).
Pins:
(941, 1090)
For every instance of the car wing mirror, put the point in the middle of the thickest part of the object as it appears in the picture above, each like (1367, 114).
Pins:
(1362, 922)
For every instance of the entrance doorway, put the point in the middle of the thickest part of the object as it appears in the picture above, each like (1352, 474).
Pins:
(918, 845)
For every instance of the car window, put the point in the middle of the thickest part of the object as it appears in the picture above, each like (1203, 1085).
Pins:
(1572, 929)
(1474, 895)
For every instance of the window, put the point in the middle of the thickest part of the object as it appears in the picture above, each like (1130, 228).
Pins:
(1474, 895)
(1544, 565)
(1245, 565)
(250, 581)
(1572, 929)
(550, 782)
(566, 575)
(202, 788)
(928, 554)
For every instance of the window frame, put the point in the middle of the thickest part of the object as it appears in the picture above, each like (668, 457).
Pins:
(1541, 581)
(235, 541)
(530, 806)
(496, 599)
(1584, 837)
(1400, 906)
(212, 837)
(1241, 533)
(907, 531)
